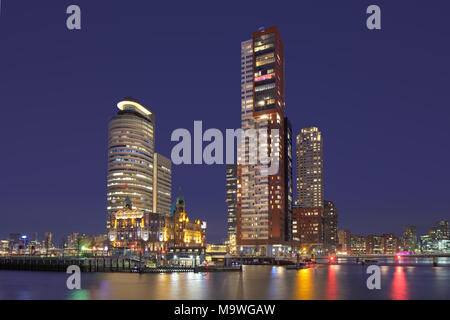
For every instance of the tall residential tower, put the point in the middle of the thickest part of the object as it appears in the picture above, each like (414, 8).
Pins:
(310, 168)
(262, 209)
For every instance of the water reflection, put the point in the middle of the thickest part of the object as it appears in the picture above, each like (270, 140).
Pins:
(331, 288)
(305, 288)
(79, 295)
(255, 282)
(399, 287)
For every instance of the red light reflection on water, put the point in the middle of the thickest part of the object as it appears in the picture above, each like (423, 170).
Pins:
(331, 292)
(399, 287)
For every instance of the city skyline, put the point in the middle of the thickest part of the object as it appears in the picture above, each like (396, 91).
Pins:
(61, 174)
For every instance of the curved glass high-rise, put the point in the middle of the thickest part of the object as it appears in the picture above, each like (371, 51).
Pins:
(131, 142)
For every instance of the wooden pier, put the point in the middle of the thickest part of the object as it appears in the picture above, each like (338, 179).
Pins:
(98, 264)
(60, 264)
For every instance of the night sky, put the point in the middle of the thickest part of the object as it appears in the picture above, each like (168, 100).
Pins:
(380, 98)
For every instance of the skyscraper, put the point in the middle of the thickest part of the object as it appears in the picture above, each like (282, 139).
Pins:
(330, 226)
(162, 184)
(262, 210)
(231, 199)
(310, 168)
(131, 143)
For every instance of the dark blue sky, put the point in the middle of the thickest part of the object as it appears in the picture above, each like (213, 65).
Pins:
(381, 99)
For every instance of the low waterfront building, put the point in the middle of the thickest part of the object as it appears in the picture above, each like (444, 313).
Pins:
(187, 256)
(137, 231)
(131, 229)
(215, 253)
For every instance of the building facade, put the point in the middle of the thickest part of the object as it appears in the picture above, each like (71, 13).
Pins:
(440, 230)
(231, 199)
(391, 244)
(162, 184)
(262, 210)
(437, 240)
(357, 244)
(307, 225)
(289, 184)
(330, 226)
(310, 168)
(344, 240)
(374, 244)
(186, 232)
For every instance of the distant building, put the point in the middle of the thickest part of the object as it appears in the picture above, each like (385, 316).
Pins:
(344, 240)
(231, 199)
(14, 241)
(310, 186)
(48, 240)
(73, 241)
(357, 244)
(307, 225)
(4, 247)
(391, 244)
(410, 238)
(428, 244)
(330, 226)
(440, 231)
(34, 237)
(374, 244)
(437, 240)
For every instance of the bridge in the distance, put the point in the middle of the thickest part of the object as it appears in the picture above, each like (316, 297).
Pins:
(397, 259)
(386, 256)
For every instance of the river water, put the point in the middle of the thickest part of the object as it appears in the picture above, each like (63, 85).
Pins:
(344, 281)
